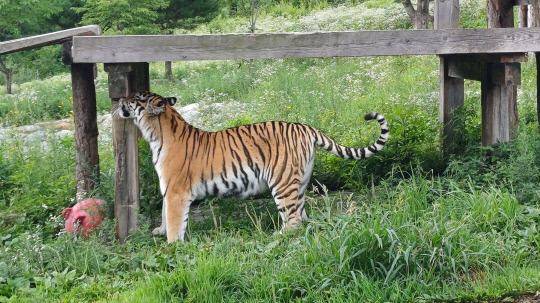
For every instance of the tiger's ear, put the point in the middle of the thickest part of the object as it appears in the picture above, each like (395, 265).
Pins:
(171, 100)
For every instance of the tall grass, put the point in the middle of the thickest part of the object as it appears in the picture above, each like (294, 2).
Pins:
(435, 242)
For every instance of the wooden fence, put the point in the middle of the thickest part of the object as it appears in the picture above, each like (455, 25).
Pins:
(490, 55)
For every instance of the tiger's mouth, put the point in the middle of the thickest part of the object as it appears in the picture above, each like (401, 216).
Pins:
(124, 112)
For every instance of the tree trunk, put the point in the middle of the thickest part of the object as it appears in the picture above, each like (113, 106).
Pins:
(422, 14)
(9, 73)
(500, 13)
(168, 70)
(419, 16)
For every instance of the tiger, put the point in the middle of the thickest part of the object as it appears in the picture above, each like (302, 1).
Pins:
(242, 161)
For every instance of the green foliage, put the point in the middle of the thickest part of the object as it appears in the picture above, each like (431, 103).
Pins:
(37, 183)
(24, 18)
(127, 17)
(187, 14)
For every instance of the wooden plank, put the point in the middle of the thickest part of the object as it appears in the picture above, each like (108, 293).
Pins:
(16, 45)
(496, 100)
(501, 73)
(494, 58)
(118, 49)
(86, 130)
(467, 70)
(124, 79)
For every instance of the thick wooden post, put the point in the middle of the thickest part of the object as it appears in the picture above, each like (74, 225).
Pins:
(499, 104)
(451, 89)
(537, 56)
(86, 130)
(523, 14)
(85, 120)
(534, 14)
(124, 79)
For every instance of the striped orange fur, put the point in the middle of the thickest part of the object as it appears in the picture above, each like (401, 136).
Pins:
(237, 162)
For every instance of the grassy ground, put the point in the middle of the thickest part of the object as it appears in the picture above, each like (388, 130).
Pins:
(401, 226)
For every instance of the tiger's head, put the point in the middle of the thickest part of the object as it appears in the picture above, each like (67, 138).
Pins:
(142, 103)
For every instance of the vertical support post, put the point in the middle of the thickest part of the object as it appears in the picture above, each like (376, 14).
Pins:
(451, 90)
(535, 16)
(495, 120)
(123, 80)
(523, 14)
(537, 57)
(85, 120)
(501, 119)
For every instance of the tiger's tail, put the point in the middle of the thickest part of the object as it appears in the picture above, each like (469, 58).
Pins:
(331, 146)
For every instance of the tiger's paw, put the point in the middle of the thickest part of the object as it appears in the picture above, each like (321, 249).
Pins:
(159, 230)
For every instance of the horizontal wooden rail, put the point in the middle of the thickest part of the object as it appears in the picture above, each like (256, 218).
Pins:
(118, 49)
(16, 45)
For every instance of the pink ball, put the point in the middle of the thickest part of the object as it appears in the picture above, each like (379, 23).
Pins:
(84, 217)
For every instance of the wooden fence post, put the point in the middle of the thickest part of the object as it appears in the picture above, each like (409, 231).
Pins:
(124, 79)
(534, 10)
(451, 90)
(85, 120)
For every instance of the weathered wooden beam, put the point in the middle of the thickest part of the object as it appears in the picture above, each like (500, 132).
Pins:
(118, 49)
(16, 45)
(501, 73)
(124, 79)
(493, 58)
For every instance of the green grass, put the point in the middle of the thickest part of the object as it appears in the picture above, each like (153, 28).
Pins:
(426, 238)
(399, 227)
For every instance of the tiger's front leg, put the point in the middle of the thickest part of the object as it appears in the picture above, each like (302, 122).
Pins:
(176, 212)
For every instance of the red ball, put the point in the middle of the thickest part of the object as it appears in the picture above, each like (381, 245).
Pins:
(84, 217)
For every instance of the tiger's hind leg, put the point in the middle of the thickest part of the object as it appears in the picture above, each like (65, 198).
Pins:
(286, 198)
(301, 207)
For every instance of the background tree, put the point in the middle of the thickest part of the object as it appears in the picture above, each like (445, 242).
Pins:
(185, 14)
(419, 16)
(124, 16)
(23, 18)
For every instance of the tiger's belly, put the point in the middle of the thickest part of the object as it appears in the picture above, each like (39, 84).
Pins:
(223, 187)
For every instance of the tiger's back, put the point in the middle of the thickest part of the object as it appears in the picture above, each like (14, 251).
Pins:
(242, 161)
